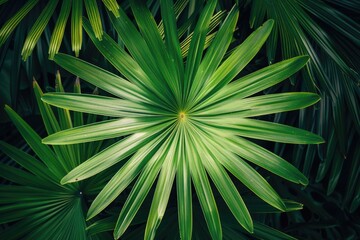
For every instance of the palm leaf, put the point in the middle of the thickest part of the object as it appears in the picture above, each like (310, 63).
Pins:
(36, 205)
(330, 36)
(42, 21)
(190, 135)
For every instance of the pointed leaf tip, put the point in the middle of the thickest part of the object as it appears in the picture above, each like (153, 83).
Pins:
(64, 180)
(319, 139)
(304, 59)
(47, 141)
(7, 108)
(69, 178)
(304, 182)
(250, 228)
(43, 141)
(269, 22)
(307, 57)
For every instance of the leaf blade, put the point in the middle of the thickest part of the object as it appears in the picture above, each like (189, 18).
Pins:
(262, 105)
(12, 23)
(100, 105)
(59, 29)
(94, 18)
(108, 157)
(37, 29)
(214, 54)
(142, 187)
(257, 81)
(238, 59)
(100, 78)
(267, 160)
(264, 130)
(76, 26)
(163, 187)
(125, 176)
(203, 189)
(33, 139)
(97, 131)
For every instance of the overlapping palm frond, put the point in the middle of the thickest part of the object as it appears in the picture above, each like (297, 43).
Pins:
(34, 204)
(182, 119)
(327, 31)
(66, 7)
(331, 39)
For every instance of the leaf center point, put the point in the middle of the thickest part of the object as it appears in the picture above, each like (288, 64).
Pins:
(182, 116)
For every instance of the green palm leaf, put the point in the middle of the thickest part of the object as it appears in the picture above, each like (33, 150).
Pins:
(330, 36)
(192, 135)
(103, 130)
(106, 106)
(36, 205)
(163, 187)
(97, 76)
(76, 8)
(203, 189)
(184, 197)
(197, 44)
(11, 24)
(224, 184)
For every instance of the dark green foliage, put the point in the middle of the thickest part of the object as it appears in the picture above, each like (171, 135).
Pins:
(164, 67)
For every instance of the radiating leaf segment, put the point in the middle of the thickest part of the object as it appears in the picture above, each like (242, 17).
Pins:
(184, 118)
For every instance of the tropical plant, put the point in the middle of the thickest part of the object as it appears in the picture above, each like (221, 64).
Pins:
(33, 202)
(184, 117)
(332, 72)
(26, 24)
(327, 31)
(76, 9)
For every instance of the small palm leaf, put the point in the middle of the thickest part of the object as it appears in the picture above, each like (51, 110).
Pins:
(36, 205)
(76, 8)
(178, 125)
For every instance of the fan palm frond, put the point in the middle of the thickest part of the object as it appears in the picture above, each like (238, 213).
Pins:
(34, 203)
(182, 121)
(331, 39)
